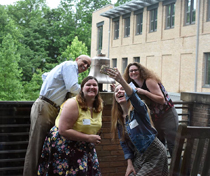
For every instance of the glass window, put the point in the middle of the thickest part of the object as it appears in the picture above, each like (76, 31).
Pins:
(116, 29)
(136, 59)
(100, 37)
(153, 20)
(170, 15)
(207, 70)
(124, 64)
(127, 27)
(114, 62)
(190, 11)
(208, 13)
(139, 23)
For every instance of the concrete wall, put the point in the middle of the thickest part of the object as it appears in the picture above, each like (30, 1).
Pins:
(200, 108)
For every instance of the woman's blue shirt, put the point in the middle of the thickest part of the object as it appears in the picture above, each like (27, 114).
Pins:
(138, 128)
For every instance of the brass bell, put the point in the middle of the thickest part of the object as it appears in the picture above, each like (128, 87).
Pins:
(96, 63)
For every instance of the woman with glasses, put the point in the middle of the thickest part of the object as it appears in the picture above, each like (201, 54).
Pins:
(144, 153)
(162, 109)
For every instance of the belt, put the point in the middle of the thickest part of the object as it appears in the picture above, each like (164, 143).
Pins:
(49, 101)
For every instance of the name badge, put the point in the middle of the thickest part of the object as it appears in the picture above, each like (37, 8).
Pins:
(86, 121)
(133, 124)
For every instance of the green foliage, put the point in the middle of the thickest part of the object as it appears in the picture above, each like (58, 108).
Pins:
(10, 85)
(83, 17)
(35, 38)
(120, 2)
(28, 16)
(33, 87)
(74, 50)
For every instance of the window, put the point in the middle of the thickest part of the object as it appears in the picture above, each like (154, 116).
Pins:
(100, 36)
(153, 9)
(136, 59)
(126, 18)
(207, 69)
(114, 63)
(124, 64)
(139, 21)
(116, 28)
(208, 13)
(170, 15)
(190, 9)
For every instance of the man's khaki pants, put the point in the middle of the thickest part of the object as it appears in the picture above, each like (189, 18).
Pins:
(43, 117)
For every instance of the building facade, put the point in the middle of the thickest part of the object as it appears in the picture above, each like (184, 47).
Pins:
(170, 37)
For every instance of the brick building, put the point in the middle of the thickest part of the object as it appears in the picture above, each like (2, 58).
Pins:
(171, 37)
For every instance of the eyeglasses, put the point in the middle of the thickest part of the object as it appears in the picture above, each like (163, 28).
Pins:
(134, 70)
(86, 63)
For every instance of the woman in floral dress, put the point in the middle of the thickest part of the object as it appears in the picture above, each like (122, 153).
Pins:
(69, 148)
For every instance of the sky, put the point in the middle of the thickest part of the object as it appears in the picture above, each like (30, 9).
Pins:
(51, 3)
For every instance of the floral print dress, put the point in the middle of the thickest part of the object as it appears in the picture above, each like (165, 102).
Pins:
(62, 157)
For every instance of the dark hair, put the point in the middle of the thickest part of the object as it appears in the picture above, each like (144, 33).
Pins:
(97, 104)
(144, 73)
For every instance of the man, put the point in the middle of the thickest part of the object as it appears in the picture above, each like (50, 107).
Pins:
(58, 82)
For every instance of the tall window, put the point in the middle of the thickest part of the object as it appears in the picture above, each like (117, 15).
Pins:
(116, 28)
(136, 59)
(114, 62)
(124, 64)
(100, 36)
(190, 11)
(207, 69)
(170, 15)
(126, 18)
(208, 13)
(153, 9)
(139, 21)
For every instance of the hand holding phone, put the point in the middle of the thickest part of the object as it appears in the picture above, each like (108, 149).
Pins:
(104, 69)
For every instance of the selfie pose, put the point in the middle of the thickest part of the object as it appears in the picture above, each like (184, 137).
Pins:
(145, 154)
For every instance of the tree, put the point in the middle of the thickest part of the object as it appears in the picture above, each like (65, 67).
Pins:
(28, 17)
(32, 88)
(61, 30)
(44, 37)
(120, 2)
(83, 18)
(10, 73)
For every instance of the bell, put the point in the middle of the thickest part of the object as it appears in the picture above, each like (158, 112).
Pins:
(96, 63)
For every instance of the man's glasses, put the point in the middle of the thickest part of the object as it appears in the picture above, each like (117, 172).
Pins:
(133, 70)
(86, 63)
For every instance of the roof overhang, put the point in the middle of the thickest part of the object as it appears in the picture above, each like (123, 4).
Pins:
(129, 7)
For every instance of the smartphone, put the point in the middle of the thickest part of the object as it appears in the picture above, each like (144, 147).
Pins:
(104, 69)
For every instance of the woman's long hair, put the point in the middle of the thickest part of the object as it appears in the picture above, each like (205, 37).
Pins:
(98, 102)
(117, 118)
(144, 73)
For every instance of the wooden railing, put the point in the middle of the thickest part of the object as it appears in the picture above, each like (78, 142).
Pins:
(184, 111)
